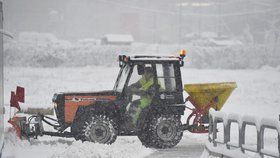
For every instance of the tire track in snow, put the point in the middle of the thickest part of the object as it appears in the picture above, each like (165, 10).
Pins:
(189, 147)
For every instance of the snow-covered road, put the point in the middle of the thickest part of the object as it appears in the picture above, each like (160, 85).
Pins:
(124, 147)
(190, 147)
(257, 94)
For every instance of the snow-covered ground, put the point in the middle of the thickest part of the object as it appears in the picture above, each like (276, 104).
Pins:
(257, 94)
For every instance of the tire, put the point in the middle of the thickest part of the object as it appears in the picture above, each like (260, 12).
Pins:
(99, 129)
(165, 131)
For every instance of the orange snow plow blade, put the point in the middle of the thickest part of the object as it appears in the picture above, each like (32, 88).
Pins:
(203, 94)
(17, 123)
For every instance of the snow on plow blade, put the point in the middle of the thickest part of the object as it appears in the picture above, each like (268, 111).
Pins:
(204, 94)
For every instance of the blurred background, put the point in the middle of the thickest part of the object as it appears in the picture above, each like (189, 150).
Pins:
(223, 34)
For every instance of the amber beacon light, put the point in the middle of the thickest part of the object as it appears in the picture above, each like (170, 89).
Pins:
(183, 53)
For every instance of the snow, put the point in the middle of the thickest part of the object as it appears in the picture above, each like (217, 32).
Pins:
(88, 42)
(278, 68)
(250, 147)
(38, 38)
(119, 38)
(233, 116)
(34, 49)
(257, 94)
(125, 149)
(227, 42)
(269, 152)
(254, 120)
(50, 147)
(229, 153)
(271, 123)
(218, 115)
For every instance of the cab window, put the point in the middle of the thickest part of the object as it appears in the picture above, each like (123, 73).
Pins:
(166, 77)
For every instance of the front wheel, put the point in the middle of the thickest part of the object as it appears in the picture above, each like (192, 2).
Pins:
(165, 131)
(100, 129)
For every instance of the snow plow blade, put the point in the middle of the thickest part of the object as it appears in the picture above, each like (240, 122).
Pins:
(19, 125)
(203, 94)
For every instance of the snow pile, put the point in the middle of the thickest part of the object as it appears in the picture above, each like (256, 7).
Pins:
(22, 148)
(52, 147)
(120, 149)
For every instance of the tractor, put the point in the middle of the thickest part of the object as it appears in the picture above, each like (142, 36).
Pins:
(102, 116)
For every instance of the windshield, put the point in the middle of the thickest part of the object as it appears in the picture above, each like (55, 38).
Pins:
(122, 78)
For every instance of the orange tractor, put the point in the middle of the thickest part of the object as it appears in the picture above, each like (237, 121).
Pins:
(152, 112)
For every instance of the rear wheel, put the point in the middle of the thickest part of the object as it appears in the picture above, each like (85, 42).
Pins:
(99, 129)
(165, 131)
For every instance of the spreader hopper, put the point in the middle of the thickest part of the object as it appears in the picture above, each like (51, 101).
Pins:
(215, 94)
(203, 97)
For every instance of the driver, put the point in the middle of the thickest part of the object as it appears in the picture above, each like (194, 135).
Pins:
(143, 88)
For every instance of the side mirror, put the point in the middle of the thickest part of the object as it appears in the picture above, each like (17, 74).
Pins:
(140, 69)
(120, 60)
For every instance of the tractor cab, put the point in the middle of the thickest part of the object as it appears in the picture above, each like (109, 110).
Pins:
(165, 76)
(151, 83)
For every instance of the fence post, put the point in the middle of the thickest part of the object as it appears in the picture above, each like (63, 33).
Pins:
(242, 136)
(214, 136)
(260, 140)
(278, 138)
(210, 128)
(227, 133)
(279, 142)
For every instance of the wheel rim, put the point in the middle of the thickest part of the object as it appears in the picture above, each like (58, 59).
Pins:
(100, 133)
(166, 131)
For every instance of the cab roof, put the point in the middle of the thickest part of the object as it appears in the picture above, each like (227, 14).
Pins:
(152, 57)
(148, 58)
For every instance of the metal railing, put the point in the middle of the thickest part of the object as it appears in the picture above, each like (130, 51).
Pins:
(226, 148)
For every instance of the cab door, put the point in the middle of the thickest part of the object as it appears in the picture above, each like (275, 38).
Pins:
(170, 86)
